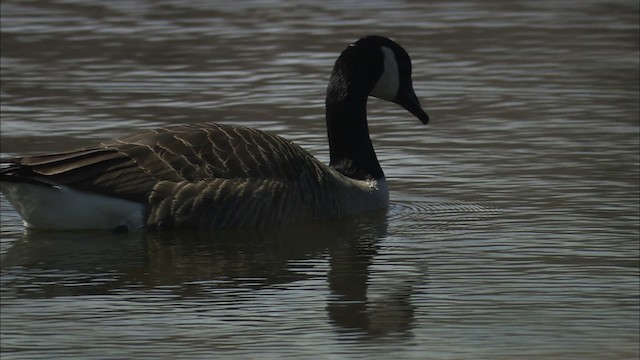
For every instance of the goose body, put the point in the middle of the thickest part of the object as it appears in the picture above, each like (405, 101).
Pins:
(214, 176)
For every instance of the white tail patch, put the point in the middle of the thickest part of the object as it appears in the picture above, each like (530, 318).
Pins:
(63, 208)
(387, 86)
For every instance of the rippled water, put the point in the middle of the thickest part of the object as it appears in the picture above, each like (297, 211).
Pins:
(514, 226)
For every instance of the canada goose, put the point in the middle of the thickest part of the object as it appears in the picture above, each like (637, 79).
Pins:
(214, 176)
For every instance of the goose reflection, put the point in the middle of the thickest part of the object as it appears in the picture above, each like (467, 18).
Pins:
(196, 264)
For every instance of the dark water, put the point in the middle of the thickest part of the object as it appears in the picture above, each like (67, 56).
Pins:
(515, 219)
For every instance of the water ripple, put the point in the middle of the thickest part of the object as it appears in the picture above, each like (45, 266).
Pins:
(514, 220)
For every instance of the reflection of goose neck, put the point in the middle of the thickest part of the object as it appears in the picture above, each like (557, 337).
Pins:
(348, 276)
(375, 303)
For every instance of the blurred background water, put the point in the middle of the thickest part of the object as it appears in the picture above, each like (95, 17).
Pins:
(514, 225)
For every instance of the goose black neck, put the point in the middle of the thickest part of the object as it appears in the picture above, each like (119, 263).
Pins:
(351, 150)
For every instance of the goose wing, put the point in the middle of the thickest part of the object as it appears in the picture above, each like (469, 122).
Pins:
(131, 167)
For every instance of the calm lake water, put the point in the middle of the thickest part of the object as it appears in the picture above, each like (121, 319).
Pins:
(515, 220)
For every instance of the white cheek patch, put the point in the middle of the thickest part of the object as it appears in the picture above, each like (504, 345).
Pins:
(387, 86)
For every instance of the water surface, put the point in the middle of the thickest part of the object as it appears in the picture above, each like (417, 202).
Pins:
(514, 225)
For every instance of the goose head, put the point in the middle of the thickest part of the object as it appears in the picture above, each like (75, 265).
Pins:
(376, 66)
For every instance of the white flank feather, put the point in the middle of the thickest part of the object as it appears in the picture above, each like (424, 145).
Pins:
(60, 207)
